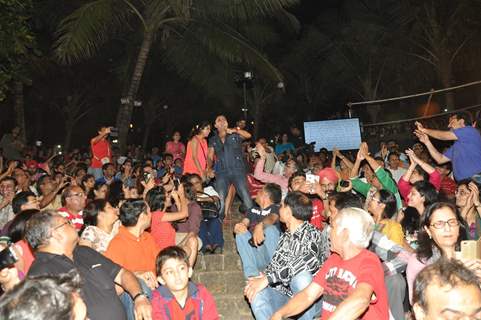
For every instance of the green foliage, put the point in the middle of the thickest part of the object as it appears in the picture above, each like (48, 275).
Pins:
(17, 41)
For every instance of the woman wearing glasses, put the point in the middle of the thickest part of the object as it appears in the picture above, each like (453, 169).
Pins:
(442, 230)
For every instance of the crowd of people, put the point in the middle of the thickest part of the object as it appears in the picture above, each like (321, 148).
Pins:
(373, 233)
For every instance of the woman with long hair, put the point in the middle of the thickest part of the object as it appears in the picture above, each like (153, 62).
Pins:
(421, 196)
(175, 147)
(418, 170)
(442, 230)
(197, 150)
(467, 201)
(383, 208)
(101, 223)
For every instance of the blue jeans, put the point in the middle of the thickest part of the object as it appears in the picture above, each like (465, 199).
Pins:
(222, 183)
(96, 172)
(210, 232)
(255, 259)
(129, 304)
(270, 300)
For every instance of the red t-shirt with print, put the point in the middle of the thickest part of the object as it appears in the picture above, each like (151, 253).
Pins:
(163, 232)
(339, 277)
(317, 219)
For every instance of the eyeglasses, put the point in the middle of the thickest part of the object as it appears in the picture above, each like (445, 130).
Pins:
(441, 224)
(61, 225)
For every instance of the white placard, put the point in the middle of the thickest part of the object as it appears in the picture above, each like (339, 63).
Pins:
(344, 134)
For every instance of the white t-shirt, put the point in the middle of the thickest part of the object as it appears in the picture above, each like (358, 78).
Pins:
(398, 173)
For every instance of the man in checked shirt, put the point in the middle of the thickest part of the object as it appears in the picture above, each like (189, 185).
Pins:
(297, 258)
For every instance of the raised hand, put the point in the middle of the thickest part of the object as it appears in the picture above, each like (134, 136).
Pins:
(412, 156)
(260, 149)
(473, 187)
(420, 127)
(423, 137)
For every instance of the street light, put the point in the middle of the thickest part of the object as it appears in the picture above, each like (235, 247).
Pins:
(246, 80)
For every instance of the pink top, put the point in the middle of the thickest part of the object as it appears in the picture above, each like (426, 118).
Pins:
(405, 187)
(177, 149)
(202, 149)
(414, 267)
(260, 175)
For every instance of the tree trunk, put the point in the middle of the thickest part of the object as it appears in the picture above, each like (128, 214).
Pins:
(145, 140)
(125, 112)
(257, 120)
(68, 136)
(19, 107)
(446, 74)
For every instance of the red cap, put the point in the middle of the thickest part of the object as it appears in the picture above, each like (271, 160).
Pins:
(32, 164)
(328, 173)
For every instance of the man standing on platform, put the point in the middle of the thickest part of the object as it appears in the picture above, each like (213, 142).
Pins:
(230, 167)
(101, 152)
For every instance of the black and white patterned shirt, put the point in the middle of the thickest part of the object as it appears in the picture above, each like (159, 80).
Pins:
(296, 252)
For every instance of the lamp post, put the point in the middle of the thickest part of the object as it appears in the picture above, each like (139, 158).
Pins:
(246, 80)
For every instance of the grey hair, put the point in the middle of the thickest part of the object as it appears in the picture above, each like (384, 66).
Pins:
(39, 227)
(359, 223)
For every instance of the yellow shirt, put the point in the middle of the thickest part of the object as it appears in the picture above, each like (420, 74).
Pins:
(393, 230)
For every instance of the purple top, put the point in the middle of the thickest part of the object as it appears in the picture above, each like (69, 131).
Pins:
(193, 221)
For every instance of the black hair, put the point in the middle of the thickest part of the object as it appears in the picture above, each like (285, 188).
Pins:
(274, 191)
(466, 116)
(300, 205)
(155, 198)
(346, 200)
(40, 181)
(425, 243)
(189, 191)
(198, 128)
(130, 212)
(172, 252)
(20, 199)
(393, 154)
(444, 272)
(422, 173)
(107, 165)
(78, 169)
(448, 166)
(116, 193)
(167, 155)
(16, 230)
(389, 200)
(42, 297)
(92, 210)
(411, 220)
(426, 190)
(295, 175)
(85, 179)
(39, 228)
(97, 186)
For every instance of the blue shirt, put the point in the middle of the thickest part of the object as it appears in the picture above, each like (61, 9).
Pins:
(280, 148)
(465, 153)
(230, 157)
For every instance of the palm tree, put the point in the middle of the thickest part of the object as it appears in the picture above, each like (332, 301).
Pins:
(82, 33)
(72, 110)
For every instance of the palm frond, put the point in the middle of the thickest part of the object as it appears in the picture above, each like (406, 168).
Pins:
(242, 9)
(83, 32)
(230, 45)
